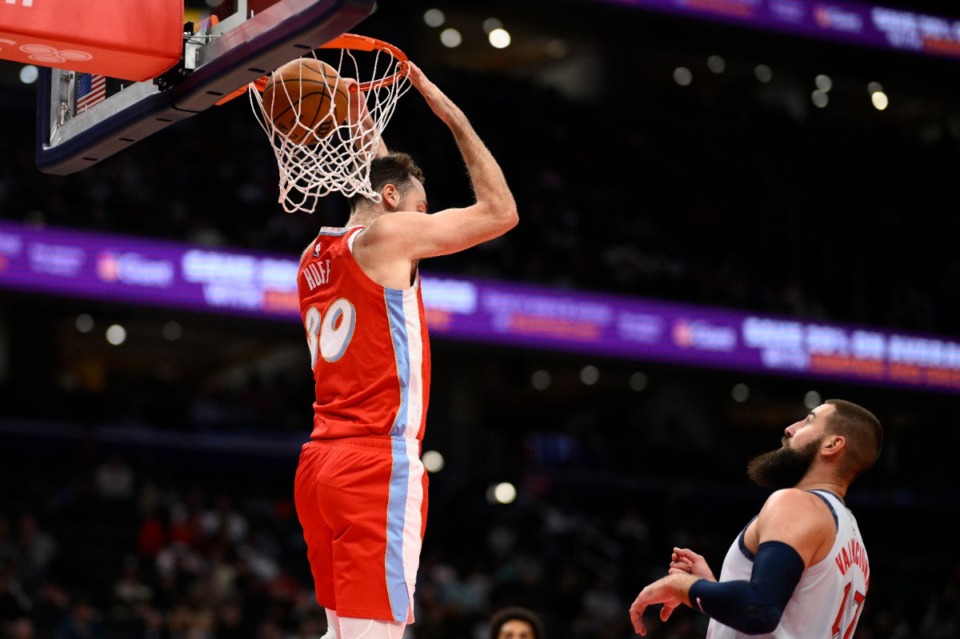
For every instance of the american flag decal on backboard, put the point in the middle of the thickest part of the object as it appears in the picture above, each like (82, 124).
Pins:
(91, 89)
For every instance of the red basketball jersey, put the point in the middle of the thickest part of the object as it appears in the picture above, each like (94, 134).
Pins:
(368, 345)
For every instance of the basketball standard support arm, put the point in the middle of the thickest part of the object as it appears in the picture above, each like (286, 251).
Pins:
(231, 59)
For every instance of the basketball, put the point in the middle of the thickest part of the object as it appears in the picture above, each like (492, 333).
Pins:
(305, 100)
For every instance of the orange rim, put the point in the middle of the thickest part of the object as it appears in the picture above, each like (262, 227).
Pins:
(346, 41)
(364, 43)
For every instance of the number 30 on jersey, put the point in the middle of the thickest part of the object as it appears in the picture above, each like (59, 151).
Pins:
(329, 333)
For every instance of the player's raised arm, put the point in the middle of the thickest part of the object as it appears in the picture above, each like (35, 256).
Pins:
(412, 235)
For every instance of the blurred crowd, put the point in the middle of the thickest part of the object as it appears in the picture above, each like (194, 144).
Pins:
(112, 544)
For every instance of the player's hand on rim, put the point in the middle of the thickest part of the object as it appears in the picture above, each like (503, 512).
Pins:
(439, 103)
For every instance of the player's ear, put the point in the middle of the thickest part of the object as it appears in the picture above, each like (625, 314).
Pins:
(833, 445)
(391, 196)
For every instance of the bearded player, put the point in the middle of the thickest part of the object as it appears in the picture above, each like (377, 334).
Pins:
(800, 568)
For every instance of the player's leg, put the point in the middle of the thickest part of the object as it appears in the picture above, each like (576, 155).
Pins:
(316, 531)
(333, 626)
(370, 629)
(373, 497)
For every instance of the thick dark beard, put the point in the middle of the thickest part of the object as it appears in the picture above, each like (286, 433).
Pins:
(782, 468)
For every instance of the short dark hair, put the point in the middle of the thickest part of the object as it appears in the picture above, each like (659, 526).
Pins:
(516, 612)
(395, 168)
(862, 430)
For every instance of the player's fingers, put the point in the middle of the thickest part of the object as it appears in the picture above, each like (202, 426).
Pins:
(636, 617)
(686, 554)
(680, 565)
(666, 611)
(418, 78)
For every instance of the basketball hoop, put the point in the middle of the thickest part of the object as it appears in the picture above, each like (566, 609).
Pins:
(314, 165)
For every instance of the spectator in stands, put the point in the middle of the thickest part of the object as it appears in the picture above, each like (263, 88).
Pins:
(8, 549)
(82, 621)
(20, 628)
(37, 549)
(516, 622)
(130, 592)
(114, 479)
(14, 602)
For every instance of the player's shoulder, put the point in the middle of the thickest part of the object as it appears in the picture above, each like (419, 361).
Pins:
(798, 518)
(398, 228)
(792, 502)
(394, 222)
(789, 494)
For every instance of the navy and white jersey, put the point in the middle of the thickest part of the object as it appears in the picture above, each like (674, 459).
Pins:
(829, 598)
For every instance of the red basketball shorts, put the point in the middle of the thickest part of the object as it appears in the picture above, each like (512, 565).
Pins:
(362, 503)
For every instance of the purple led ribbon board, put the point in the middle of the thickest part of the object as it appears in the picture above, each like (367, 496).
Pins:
(849, 22)
(139, 271)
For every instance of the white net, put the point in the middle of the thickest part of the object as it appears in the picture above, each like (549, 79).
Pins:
(329, 149)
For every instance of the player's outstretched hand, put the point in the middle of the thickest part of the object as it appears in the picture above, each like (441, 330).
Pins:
(439, 103)
(666, 591)
(685, 560)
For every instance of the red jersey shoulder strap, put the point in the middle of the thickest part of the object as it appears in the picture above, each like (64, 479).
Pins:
(330, 231)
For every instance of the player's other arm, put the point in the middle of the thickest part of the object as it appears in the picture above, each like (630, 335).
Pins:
(360, 120)
(494, 211)
(793, 530)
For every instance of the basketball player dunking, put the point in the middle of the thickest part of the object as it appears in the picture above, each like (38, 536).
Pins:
(360, 488)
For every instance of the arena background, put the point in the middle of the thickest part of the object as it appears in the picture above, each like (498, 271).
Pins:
(145, 488)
